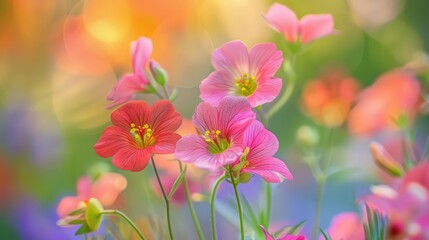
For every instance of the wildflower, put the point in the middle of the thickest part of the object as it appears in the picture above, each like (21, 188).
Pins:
(309, 28)
(137, 81)
(220, 133)
(85, 208)
(139, 131)
(242, 73)
(260, 146)
(384, 160)
(394, 95)
(328, 100)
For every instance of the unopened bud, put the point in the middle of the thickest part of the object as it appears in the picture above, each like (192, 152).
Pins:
(158, 73)
(307, 136)
(245, 177)
(93, 214)
(384, 161)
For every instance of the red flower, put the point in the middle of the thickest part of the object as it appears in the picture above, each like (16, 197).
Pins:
(139, 131)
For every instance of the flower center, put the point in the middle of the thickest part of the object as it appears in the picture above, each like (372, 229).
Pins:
(142, 135)
(215, 141)
(245, 85)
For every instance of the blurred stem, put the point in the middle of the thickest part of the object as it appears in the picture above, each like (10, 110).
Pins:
(262, 115)
(237, 197)
(167, 95)
(191, 206)
(321, 180)
(167, 202)
(212, 205)
(290, 74)
(128, 220)
(268, 195)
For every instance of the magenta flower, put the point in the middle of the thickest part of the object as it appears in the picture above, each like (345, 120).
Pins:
(242, 73)
(220, 131)
(309, 28)
(268, 236)
(105, 189)
(261, 145)
(346, 225)
(134, 82)
(139, 131)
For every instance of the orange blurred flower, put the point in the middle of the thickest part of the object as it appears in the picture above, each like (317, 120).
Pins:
(395, 94)
(328, 99)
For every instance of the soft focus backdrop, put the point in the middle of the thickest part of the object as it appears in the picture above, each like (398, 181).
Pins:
(59, 59)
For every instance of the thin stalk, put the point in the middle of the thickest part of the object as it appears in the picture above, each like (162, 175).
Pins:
(167, 202)
(268, 195)
(212, 205)
(191, 206)
(240, 212)
(320, 189)
(287, 93)
(119, 213)
(167, 95)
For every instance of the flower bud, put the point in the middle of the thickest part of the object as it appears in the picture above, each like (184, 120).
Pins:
(384, 161)
(93, 214)
(307, 136)
(158, 73)
(245, 177)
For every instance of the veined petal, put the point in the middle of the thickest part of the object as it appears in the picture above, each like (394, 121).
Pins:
(232, 57)
(264, 60)
(261, 142)
(141, 49)
(283, 20)
(137, 112)
(205, 117)
(315, 26)
(270, 169)
(83, 187)
(124, 89)
(268, 89)
(108, 187)
(112, 140)
(166, 143)
(67, 205)
(216, 86)
(164, 117)
(132, 159)
(235, 115)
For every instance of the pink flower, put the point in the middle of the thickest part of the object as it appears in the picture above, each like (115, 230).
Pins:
(309, 28)
(268, 236)
(394, 94)
(220, 131)
(105, 189)
(346, 226)
(407, 205)
(261, 145)
(242, 73)
(139, 131)
(134, 82)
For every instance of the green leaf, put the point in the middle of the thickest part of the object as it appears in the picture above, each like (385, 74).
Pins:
(177, 183)
(83, 229)
(325, 235)
(295, 228)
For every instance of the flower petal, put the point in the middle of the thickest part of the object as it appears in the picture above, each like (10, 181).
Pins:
(108, 187)
(262, 143)
(216, 86)
(232, 57)
(315, 26)
(205, 117)
(112, 140)
(164, 117)
(83, 187)
(283, 20)
(267, 90)
(141, 49)
(131, 159)
(137, 112)
(235, 115)
(264, 60)
(270, 169)
(166, 143)
(124, 89)
(67, 205)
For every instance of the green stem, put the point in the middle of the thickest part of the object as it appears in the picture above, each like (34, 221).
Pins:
(212, 205)
(119, 213)
(191, 206)
(321, 180)
(268, 195)
(167, 202)
(167, 95)
(240, 212)
(288, 68)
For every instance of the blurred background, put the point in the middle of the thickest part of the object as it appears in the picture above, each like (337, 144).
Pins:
(59, 59)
